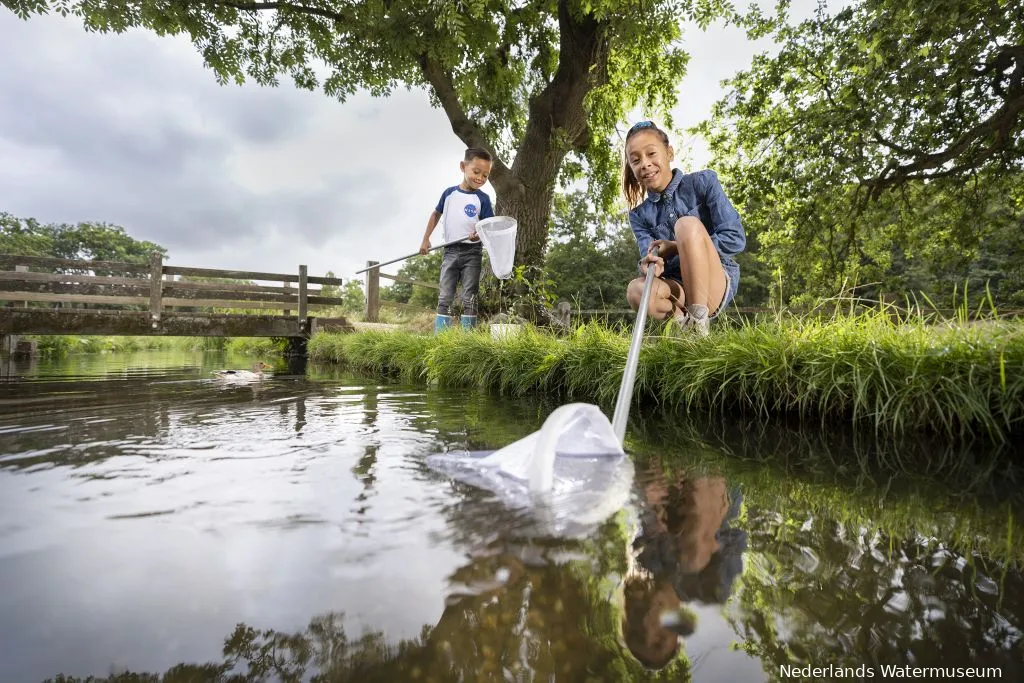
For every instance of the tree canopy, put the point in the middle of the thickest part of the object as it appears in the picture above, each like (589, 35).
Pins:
(886, 133)
(541, 83)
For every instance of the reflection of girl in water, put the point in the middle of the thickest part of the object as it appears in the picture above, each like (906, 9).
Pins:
(685, 551)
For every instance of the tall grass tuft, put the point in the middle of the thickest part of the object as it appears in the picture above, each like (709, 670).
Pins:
(388, 354)
(959, 379)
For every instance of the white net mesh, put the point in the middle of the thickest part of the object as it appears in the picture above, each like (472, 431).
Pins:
(498, 235)
(572, 473)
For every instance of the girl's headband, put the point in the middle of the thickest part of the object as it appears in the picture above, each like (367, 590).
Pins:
(640, 125)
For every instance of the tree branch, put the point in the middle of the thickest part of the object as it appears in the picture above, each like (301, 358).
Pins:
(1003, 120)
(892, 145)
(463, 126)
(272, 5)
(559, 105)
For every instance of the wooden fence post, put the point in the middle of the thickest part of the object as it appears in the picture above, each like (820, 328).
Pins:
(168, 277)
(21, 269)
(303, 299)
(372, 292)
(287, 285)
(156, 279)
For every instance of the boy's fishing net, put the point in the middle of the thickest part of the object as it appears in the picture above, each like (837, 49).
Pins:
(498, 235)
(572, 474)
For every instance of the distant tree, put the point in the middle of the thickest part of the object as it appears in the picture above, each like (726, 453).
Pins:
(24, 236)
(330, 290)
(82, 241)
(87, 241)
(102, 242)
(425, 268)
(593, 254)
(353, 296)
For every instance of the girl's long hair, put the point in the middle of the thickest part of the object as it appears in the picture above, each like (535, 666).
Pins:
(631, 188)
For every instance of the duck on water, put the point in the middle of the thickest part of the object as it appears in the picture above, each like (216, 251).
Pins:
(255, 373)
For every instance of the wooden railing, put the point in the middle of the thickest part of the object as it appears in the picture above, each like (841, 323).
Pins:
(40, 285)
(373, 300)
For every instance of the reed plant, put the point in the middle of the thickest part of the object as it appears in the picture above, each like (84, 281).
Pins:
(959, 379)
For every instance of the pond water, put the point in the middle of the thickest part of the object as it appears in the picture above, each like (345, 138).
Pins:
(154, 518)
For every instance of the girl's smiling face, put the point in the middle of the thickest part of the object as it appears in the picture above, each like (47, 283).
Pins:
(649, 158)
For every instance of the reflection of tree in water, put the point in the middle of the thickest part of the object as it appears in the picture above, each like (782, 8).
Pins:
(323, 650)
(814, 593)
(512, 615)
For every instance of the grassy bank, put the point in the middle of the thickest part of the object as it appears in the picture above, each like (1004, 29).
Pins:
(61, 345)
(957, 380)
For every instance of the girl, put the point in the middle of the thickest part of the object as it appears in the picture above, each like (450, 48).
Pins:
(688, 218)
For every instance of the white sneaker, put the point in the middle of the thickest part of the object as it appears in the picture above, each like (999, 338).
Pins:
(694, 318)
(700, 322)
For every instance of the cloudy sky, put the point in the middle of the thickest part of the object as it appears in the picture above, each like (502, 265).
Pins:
(132, 129)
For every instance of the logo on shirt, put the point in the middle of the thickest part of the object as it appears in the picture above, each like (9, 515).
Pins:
(470, 210)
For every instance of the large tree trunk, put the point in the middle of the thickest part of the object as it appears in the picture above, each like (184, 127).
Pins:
(557, 123)
(531, 208)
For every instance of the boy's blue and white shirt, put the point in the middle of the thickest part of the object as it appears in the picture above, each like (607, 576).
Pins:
(462, 210)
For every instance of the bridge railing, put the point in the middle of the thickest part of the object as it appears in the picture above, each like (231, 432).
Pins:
(39, 282)
(371, 310)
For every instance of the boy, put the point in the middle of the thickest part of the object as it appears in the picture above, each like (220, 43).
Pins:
(462, 207)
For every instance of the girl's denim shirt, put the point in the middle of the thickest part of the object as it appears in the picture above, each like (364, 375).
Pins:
(700, 195)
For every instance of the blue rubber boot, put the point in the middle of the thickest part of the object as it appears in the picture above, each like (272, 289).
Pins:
(442, 322)
(467, 322)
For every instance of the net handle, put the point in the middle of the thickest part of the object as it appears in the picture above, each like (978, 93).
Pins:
(621, 415)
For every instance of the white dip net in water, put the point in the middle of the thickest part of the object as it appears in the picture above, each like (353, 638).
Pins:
(498, 235)
(572, 474)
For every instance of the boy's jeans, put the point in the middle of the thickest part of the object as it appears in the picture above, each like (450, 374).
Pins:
(461, 262)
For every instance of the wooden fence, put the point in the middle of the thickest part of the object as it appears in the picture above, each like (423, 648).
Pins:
(47, 295)
(374, 304)
(373, 300)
